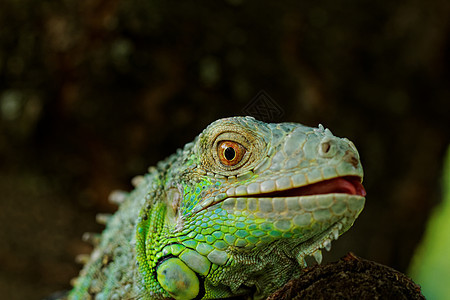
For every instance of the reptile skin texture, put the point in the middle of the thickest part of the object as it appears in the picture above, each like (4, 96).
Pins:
(235, 212)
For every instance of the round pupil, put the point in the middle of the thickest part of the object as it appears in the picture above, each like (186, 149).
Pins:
(229, 153)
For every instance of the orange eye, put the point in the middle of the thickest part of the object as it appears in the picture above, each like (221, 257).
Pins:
(230, 153)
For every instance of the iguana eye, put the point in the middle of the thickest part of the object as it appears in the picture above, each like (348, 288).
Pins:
(230, 153)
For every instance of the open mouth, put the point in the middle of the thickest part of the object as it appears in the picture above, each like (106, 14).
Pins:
(349, 185)
(343, 185)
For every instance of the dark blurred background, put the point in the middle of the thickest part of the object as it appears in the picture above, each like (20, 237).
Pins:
(93, 92)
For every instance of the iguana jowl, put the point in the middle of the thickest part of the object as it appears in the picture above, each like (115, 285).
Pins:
(235, 212)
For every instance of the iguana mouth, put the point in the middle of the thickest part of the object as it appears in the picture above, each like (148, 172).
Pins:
(350, 185)
(342, 185)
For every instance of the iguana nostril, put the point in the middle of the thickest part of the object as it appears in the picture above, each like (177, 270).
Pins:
(327, 147)
(350, 157)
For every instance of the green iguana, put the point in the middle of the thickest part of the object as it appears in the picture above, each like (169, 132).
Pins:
(235, 212)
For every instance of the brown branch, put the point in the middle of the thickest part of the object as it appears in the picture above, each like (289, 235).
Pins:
(350, 278)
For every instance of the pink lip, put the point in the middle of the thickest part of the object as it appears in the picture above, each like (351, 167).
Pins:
(344, 185)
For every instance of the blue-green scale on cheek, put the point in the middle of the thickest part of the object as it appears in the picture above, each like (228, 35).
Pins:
(221, 245)
(210, 239)
(240, 243)
(229, 239)
(221, 213)
(244, 219)
(240, 225)
(252, 240)
(249, 222)
(241, 233)
(200, 237)
(232, 229)
(206, 231)
(275, 233)
(257, 233)
(190, 243)
(252, 226)
(218, 234)
(197, 229)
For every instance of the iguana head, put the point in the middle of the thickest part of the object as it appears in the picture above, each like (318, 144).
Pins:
(244, 204)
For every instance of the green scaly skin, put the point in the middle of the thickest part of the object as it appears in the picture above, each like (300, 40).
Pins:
(209, 222)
